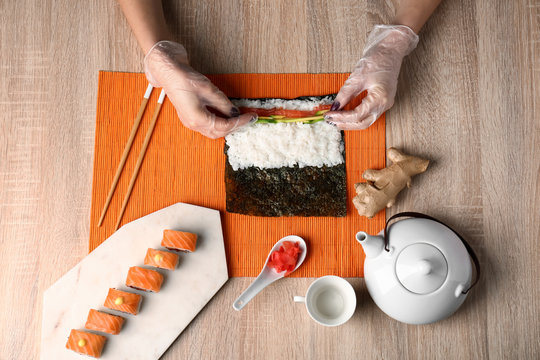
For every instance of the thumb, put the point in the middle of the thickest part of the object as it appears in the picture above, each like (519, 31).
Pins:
(351, 89)
(354, 85)
(222, 127)
(351, 116)
(216, 99)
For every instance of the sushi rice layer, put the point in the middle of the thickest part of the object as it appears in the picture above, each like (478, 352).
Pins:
(270, 146)
(305, 103)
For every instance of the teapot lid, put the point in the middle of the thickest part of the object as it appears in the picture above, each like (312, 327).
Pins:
(421, 268)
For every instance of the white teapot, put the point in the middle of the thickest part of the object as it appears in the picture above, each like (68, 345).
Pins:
(420, 271)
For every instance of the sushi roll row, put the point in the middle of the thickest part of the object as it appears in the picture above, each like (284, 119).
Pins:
(138, 278)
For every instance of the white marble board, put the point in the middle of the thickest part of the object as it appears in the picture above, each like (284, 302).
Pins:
(164, 315)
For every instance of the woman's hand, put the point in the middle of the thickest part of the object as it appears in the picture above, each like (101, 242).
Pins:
(377, 72)
(166, 65)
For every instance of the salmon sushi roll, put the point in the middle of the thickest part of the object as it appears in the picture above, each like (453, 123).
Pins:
(161, 259)
(86, 343)
(144, 279)
(179, 240)
(123, 301)
(101, 321)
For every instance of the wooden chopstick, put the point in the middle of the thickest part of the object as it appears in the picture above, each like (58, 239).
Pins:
(127, 148)
(141, 157)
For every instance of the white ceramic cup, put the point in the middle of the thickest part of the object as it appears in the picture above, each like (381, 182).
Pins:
(330, 300)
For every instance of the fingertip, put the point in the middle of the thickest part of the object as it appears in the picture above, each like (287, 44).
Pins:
(347, 92)
(330, 122)
(341, 98)
(246, 119)
(360, 124)
(333, 117)
(335, 106)
(328, 118)
(329, 115)
(235, 112)
(215, 98)
(350, 119)
(223, 127)
(344, 117)
(254, 119)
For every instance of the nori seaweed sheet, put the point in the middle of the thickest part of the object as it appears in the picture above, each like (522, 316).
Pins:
(287, 191)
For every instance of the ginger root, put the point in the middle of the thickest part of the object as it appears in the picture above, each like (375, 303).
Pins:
(383, 185)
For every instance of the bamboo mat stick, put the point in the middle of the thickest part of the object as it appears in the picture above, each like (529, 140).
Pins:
(127, 148)
(141, 157)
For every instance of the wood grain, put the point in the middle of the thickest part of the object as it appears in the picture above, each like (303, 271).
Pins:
(467, 99)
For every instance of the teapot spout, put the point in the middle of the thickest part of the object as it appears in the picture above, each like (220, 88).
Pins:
(372, 244)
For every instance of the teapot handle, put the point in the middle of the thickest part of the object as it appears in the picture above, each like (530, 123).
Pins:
(424, 216)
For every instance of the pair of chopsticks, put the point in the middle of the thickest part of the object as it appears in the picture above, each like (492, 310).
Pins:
(125, 154)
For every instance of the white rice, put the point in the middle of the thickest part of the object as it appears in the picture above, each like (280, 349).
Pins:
(305, 104)
(285, 145)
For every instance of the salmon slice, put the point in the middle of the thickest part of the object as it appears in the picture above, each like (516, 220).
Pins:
(179, 240)
(107, 323)
(161, 259)
(144, 279)
(284, 112)
(86, 343)
(123, 301)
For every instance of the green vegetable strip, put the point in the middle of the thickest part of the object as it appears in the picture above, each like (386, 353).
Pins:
(273, 119)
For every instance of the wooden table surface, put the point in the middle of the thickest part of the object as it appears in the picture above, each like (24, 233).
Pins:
(468, 99)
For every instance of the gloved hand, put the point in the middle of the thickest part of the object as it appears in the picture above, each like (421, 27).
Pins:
(377, 72)
(166, 65)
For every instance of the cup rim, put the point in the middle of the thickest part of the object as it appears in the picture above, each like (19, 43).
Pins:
(346, 285)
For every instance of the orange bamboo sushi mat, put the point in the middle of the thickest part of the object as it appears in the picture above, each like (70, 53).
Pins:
(183, 166)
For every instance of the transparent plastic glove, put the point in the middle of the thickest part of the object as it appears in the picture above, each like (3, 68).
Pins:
(377, 72)
(166, 65)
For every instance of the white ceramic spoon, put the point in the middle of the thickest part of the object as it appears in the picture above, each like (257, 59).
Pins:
(268, 275)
